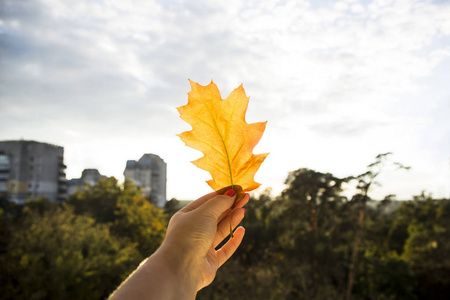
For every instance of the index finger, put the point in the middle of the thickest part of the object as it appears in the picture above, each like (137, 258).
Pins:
(202, 200)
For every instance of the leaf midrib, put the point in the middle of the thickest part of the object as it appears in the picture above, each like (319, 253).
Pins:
(223, 140)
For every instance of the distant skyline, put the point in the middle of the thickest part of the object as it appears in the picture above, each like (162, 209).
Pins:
(338, 82)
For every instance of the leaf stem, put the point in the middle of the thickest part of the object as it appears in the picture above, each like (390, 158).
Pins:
(231, 226)
(231, 214)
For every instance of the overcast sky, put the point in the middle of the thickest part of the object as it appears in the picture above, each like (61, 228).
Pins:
(338, 82)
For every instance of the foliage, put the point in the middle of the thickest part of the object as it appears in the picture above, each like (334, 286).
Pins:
(59, 255)
(125, 210)
(79, 250)
(171, 207)
(427, 248)
(298, 244)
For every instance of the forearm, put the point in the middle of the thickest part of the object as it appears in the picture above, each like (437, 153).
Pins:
(159, 277)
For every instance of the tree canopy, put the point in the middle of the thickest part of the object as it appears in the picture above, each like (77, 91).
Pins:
(298, 245)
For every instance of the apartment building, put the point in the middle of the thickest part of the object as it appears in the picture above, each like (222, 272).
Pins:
(88, 176)
(150, 173)
(30, 169)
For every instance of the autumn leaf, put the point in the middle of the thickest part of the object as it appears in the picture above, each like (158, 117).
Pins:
(220, 132)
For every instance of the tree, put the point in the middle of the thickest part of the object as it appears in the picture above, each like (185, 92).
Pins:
(388, 276)
(125, 210)
(314, 190)
(100, 200)
(307, 215)
(288, 253)
(364, 183)
(59, 255)
(141, 221)
(171, 207)
(427, 247)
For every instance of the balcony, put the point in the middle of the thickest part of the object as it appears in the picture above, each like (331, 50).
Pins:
(4, 168)
(3, 187)
(62, 182)
(4, 162)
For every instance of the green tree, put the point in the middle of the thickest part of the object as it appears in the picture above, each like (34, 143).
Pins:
(171, 207)
(141, 221)
(427, 248)
(364, 183)
(59, 255)
(125, 210)
(100, 200)
(307, 217)
(388, 277)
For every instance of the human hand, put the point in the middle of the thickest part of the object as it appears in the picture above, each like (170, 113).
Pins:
(195, 231)
(188, 260)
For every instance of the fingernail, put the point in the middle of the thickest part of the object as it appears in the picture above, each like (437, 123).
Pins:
(230, 193)
(243, 210)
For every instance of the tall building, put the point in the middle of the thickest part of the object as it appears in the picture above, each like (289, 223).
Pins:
(150, 173)
(30, 169)
(89, 176)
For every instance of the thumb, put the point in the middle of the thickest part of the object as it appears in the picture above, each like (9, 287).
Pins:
(219, 204)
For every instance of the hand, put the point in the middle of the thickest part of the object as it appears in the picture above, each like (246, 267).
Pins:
(200, 227)
(188, 260)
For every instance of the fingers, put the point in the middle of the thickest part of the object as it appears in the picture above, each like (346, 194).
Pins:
(223, 228)
(224, 253)
(200, 201)
(240, 202)
(218, 205)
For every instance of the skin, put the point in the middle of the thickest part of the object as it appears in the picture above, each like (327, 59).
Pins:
(188, 260)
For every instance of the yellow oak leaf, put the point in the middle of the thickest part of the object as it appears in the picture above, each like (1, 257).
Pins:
(220, 132)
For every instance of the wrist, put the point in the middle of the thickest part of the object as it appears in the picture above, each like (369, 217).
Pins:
(175, 271)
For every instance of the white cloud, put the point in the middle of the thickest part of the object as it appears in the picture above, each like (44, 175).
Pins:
(336, 81)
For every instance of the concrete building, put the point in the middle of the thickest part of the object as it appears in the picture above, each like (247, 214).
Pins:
(150, 173)
(89, 176)
(30, 169)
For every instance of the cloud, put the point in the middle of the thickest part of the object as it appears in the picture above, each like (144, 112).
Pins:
(105, 70)
(344, 128)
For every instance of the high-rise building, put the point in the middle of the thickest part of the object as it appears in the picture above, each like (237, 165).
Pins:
(150, 173)
(30, 169)
(89, 176)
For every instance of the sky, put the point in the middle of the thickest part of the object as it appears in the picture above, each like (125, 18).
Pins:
(338, 82)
